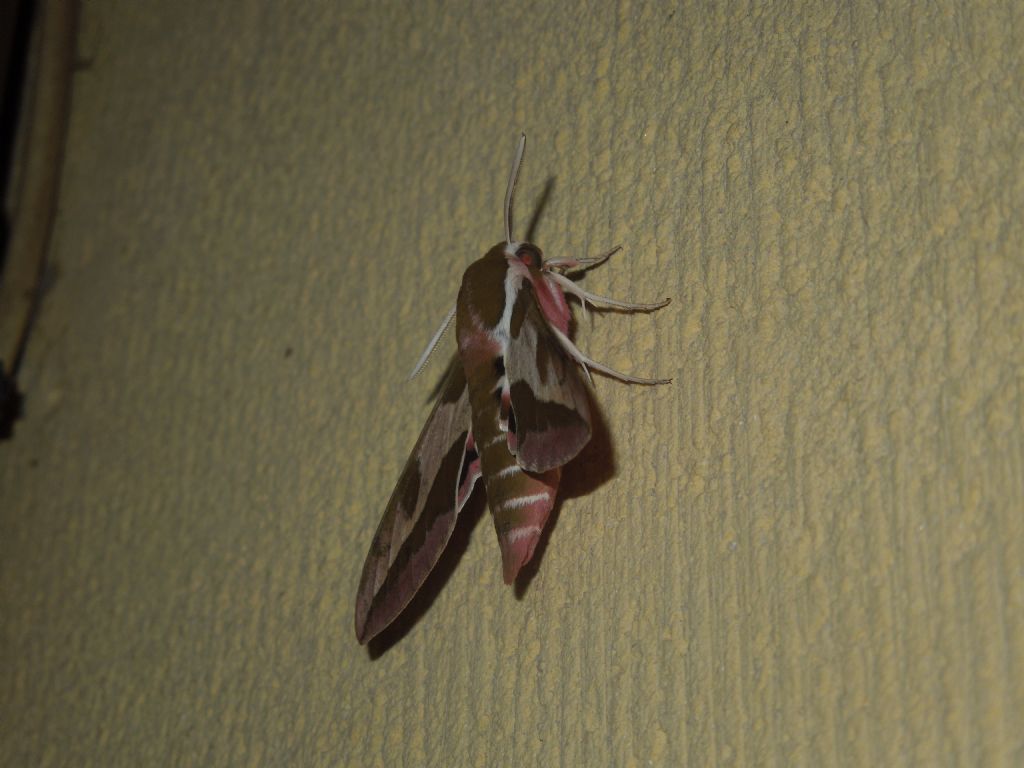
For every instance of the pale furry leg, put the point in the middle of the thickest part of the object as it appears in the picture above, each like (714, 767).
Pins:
(587, 363)
(582, 264)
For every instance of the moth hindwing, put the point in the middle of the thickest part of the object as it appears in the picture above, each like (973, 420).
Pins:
(513, 409)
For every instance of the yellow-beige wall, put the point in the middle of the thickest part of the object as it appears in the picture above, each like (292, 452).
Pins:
(805, 551)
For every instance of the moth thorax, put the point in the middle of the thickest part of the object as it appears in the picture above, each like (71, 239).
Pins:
(530, 255)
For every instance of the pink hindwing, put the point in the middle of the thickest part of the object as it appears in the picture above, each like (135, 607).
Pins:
(514, 409)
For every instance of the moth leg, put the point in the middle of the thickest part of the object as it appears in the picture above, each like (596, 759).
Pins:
(569, 286)
(582, 264)
(432, 343)
(587, 363)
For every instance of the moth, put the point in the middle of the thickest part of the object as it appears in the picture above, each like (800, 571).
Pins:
(514, 409)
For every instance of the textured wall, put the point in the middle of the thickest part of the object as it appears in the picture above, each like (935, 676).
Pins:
(807, 550)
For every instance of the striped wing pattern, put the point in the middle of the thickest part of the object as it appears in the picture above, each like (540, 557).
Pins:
(421, 514)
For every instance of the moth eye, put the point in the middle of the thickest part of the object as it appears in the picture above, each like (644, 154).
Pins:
(530, 256)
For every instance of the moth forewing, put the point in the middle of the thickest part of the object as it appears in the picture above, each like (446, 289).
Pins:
(421, 513)
(550, 404)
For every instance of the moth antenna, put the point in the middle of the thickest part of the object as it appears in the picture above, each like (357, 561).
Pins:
(432, 344)
(512, 187)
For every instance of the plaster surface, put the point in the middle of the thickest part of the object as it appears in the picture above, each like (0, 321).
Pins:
(805, 551)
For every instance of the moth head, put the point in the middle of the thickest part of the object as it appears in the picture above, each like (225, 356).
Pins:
(530, 255)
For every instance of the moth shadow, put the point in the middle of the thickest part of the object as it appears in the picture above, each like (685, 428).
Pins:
(538, 211)
(436, 581)
(592, 468)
